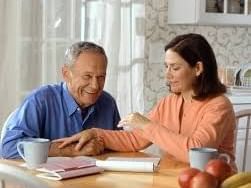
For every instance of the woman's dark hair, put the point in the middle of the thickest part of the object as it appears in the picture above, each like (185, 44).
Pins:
(194, 48)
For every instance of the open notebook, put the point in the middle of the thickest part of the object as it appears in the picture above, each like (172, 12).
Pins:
(59, 168)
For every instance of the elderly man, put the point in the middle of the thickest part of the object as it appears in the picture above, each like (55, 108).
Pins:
(61, 110)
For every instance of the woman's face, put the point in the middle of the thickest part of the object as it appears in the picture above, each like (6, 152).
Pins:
(179, 74)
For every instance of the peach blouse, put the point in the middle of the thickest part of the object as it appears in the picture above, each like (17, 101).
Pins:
(208, 123)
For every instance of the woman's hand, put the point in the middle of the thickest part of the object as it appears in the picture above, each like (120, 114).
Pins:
(86, 138)
(134, 120)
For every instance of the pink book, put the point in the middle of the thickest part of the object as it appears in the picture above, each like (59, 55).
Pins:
(59, 168)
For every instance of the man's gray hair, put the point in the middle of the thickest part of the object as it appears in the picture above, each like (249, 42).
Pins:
(73, 52)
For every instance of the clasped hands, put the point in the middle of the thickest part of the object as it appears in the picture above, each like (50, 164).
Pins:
(88, 143)
(83, 143)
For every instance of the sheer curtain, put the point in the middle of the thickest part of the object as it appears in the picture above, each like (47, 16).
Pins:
(35, 33)
(119, 27)
(8, 69)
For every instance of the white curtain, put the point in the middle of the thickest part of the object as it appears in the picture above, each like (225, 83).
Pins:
(8, 54)
(119, 27)
(35, 33)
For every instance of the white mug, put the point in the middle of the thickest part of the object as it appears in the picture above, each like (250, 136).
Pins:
(199, 157)
(34, 151)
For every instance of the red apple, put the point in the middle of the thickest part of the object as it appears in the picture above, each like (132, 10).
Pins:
(204, 180)
(219, 169)
(186, 175)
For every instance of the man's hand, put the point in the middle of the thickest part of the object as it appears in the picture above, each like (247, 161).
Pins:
(79, 139)
(134, 120)
(93, 147)
(70, 147)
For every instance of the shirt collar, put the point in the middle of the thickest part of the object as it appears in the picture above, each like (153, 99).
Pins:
(71, 104)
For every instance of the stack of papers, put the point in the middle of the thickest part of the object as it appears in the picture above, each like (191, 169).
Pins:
(59, 168)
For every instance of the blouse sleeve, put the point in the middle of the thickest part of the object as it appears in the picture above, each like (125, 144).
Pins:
(124, 141)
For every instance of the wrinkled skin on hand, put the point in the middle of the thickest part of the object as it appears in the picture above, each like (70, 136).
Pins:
(83, 143)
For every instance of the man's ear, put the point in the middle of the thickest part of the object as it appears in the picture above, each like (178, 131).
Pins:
(199, 68)
(66, 72)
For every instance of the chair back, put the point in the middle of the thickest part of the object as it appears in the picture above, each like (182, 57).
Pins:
(14, 177)
(242, 131)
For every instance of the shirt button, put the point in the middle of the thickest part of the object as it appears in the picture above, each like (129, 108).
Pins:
(78, 109)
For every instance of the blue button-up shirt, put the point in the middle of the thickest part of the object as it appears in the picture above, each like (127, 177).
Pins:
(51, 112)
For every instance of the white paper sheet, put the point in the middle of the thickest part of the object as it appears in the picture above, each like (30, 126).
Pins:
(129, 164)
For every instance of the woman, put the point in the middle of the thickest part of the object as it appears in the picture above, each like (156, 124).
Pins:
(195, 114)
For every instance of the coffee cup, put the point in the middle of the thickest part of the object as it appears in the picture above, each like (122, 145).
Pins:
(34, 151)
(199, 157)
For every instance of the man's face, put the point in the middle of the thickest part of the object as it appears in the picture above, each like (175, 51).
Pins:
(85, 79)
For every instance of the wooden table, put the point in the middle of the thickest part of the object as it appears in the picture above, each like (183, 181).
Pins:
(165, 177)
